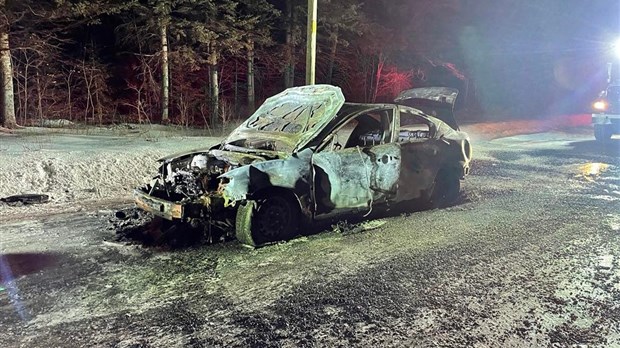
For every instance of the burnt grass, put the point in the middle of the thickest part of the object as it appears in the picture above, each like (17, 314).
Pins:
(516, 261)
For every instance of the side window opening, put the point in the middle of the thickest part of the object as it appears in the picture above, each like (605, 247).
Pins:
(412, 128)
(367, 132)
(364, 130)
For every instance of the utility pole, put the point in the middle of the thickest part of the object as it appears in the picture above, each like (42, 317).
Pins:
(311, 43)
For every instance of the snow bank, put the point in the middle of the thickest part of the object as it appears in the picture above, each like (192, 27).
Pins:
(68, 176)
(84, 167)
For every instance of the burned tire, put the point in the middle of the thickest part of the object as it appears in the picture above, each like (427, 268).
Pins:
(267, 220)
(446, 189)
(602, 132)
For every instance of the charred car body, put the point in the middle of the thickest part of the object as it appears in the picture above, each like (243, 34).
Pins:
(305, 154)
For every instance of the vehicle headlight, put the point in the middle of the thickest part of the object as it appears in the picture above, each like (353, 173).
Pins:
(600, 105)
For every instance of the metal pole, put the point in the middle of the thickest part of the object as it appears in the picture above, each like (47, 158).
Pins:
(311, 43)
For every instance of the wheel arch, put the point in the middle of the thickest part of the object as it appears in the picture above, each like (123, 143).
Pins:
(246, 209)
(274, 190)
(304, 205)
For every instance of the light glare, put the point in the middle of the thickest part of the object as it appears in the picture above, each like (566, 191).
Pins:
(616, 48)
(600, 105)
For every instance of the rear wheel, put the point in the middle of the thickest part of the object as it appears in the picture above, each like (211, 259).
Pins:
(266, 220)
(602, 132)
(446, 188)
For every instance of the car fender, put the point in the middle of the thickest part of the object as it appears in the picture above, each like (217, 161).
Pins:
(293, 173)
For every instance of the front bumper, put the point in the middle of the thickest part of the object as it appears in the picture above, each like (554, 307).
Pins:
(606, 119)
(212, 206)
(159, 207)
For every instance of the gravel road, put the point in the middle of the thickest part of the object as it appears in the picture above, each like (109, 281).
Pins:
(529, 257)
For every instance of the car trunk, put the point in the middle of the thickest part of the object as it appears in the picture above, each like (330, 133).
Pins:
(434, 101)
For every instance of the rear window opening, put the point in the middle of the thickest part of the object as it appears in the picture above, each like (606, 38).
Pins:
(412, 128)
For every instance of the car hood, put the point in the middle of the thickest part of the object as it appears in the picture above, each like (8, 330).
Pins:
(292, 118)
(435, 101)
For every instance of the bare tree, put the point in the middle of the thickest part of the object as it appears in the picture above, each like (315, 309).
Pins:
(7, 117)
(290, 29)
(165, 76)
(339, 19)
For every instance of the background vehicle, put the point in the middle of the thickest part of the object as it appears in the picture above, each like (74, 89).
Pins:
(606, 116)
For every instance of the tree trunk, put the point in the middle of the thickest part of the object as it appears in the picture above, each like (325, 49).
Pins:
(165, 83)
(212, 61)
(99, 107)
(39, 98)
(70, 108)
(7, 118)
(332, 57)
(251, 98)
(377, 81)
(26, 95)
(215, 95)
(236, 87)
(289, 47)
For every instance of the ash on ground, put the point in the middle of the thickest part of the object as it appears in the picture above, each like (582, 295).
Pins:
(135, 226)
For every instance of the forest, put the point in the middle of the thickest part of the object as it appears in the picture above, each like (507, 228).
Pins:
(209, 62)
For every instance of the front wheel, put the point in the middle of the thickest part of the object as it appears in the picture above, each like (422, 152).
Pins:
(267, 220)
(602, 132)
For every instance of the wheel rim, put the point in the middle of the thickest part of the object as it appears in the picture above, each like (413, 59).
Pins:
(274, 217)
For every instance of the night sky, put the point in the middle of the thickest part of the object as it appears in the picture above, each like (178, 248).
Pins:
(525, 57)
(540, 56)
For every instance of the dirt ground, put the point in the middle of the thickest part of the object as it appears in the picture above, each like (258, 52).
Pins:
(529, 257)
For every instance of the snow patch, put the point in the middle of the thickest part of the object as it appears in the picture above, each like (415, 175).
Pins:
(72, 168)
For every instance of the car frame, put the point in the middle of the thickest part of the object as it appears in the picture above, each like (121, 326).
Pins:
(306, 155)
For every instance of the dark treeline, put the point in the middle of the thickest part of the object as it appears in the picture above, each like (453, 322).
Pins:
(207, 62)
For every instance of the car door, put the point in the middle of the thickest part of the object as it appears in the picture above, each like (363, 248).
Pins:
(362, 172)
(421, 155)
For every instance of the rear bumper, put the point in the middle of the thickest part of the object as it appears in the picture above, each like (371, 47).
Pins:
(159, 207)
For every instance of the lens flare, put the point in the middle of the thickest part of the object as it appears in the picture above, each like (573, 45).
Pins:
(616, 48)
(600, 105)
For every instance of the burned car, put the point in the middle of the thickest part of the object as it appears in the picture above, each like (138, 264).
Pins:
(305, 155)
